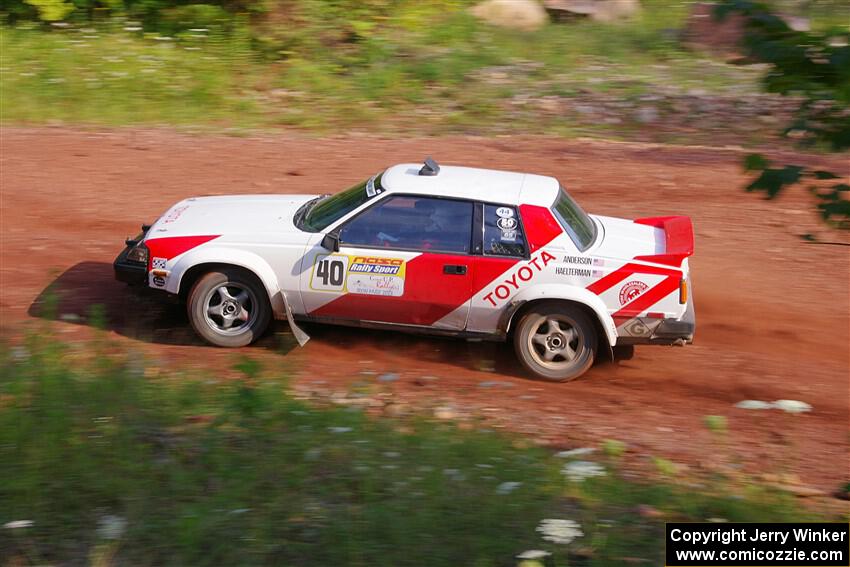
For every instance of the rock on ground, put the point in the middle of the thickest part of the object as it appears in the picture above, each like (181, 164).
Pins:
(526, 15)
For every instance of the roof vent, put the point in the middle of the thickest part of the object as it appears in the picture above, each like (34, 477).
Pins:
(430, 168)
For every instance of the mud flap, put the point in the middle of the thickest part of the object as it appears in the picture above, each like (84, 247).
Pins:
(299, 333)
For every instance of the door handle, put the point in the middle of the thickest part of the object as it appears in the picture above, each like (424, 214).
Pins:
(454, 269)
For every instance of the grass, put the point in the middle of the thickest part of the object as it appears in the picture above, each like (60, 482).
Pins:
(115, 77)
(390, 74)
(114, 461)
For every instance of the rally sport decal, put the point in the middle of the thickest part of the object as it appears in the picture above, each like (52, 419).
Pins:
(364, 275)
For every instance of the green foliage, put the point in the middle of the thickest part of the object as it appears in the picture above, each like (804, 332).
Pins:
(236, 472)
(815, 67)
(107, 461)
(325, 65)
(183, 18)
(665, 467)
(716, 423)
(772, 181)
(425, 66)
(614, 448)
(119, 77)
(52, 10)
(833, 199)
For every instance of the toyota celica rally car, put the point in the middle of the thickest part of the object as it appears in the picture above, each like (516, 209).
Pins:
(447, 250)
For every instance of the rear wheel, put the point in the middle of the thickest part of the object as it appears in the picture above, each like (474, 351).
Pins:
(556, 341)
(229, 308)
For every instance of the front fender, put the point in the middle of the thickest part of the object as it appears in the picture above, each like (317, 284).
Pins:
(569, 293)
(247, 260)
(241, 258)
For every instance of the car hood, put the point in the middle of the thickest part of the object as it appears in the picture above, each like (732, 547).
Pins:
(231, 215)
(624, 239)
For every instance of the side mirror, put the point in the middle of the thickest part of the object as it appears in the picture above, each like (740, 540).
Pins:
(331, 242)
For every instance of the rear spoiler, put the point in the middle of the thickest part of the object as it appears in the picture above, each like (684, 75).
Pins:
(679, 239)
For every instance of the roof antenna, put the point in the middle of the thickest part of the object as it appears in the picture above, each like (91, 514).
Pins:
(430, 168)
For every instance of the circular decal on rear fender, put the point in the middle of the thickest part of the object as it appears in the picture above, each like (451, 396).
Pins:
(506, 223)
(630, 291)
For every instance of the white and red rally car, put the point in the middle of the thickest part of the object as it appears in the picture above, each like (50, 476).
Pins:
(453, 250)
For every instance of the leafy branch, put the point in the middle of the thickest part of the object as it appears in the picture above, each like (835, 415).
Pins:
(833, 205)
(816, 68)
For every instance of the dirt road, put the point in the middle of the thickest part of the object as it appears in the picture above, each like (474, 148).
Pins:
(772, 309)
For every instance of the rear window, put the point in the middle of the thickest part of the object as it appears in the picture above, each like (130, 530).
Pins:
(502, 232)
(575, 221)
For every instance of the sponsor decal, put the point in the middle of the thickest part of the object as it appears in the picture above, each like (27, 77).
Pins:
(371, 265)
(174, 214)
(584, 260)
(561, 271)
(503, 290)
(508, 236)
(158, 263)
(387, 286)
(637, 328)
(371, 189)
(631, 291)
(366, 275)
(158, 281)
(506, 223)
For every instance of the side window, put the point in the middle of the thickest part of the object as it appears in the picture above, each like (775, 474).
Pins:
(502, 232)
(413, 223)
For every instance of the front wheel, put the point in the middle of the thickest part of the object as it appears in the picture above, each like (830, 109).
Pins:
(556, 342)
(229, 308)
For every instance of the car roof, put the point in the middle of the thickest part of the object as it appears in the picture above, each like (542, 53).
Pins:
(489, 185)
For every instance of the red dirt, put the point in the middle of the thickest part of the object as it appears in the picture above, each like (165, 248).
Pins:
(772, 309)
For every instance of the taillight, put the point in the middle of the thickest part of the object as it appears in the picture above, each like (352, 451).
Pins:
(683, 291)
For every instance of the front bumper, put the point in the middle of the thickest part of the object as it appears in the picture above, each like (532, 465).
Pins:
(127, 271)
(650, 331)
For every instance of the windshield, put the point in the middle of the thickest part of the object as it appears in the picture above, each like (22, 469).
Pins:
(328, 210)
(575, 221)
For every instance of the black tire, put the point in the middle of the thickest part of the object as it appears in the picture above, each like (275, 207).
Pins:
(571, 344)
(233, 318)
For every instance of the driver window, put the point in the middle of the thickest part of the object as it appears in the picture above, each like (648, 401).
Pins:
(413, 223)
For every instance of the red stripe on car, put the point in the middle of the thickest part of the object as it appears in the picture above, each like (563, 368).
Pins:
(649, 298)
(605, 283)
(172, 246)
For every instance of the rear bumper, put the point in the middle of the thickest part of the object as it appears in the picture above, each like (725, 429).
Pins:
(650, 331)
(677, 331)
(128, 271)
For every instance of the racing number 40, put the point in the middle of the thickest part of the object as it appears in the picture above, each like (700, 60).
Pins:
(331, 272)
